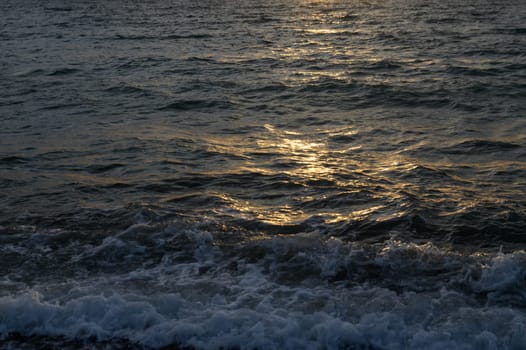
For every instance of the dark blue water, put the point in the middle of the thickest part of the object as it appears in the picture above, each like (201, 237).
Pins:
(263, 174)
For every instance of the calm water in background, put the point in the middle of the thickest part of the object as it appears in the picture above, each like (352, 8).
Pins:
(263, 174)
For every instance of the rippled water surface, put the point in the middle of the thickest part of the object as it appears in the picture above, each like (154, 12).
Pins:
(263, 174)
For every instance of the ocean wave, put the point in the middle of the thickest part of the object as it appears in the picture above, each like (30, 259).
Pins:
(270, 175)
(481, 146)
(285, 292)
(186, 105)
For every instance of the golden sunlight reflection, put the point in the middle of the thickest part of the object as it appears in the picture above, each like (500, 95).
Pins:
(326, 31)
(310, 161)
(285, 215)
(305, 159)
(270, 214)
(309, 156)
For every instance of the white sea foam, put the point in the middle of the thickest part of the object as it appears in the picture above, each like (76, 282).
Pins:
(503, 272)
(206, 303)
(404, 322)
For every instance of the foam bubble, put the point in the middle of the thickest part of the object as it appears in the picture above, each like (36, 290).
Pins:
(284, 292)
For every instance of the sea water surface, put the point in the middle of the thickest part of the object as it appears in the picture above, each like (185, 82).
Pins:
(263, 174)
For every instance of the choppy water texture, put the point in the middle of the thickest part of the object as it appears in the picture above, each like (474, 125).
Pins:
(274, 174)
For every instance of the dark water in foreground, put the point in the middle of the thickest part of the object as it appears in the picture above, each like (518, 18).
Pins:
(263, 174)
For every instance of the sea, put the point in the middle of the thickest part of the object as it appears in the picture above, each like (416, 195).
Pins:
(263, 174)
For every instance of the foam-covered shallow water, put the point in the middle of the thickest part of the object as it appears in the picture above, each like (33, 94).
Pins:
(159, 285)
(263, 175)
